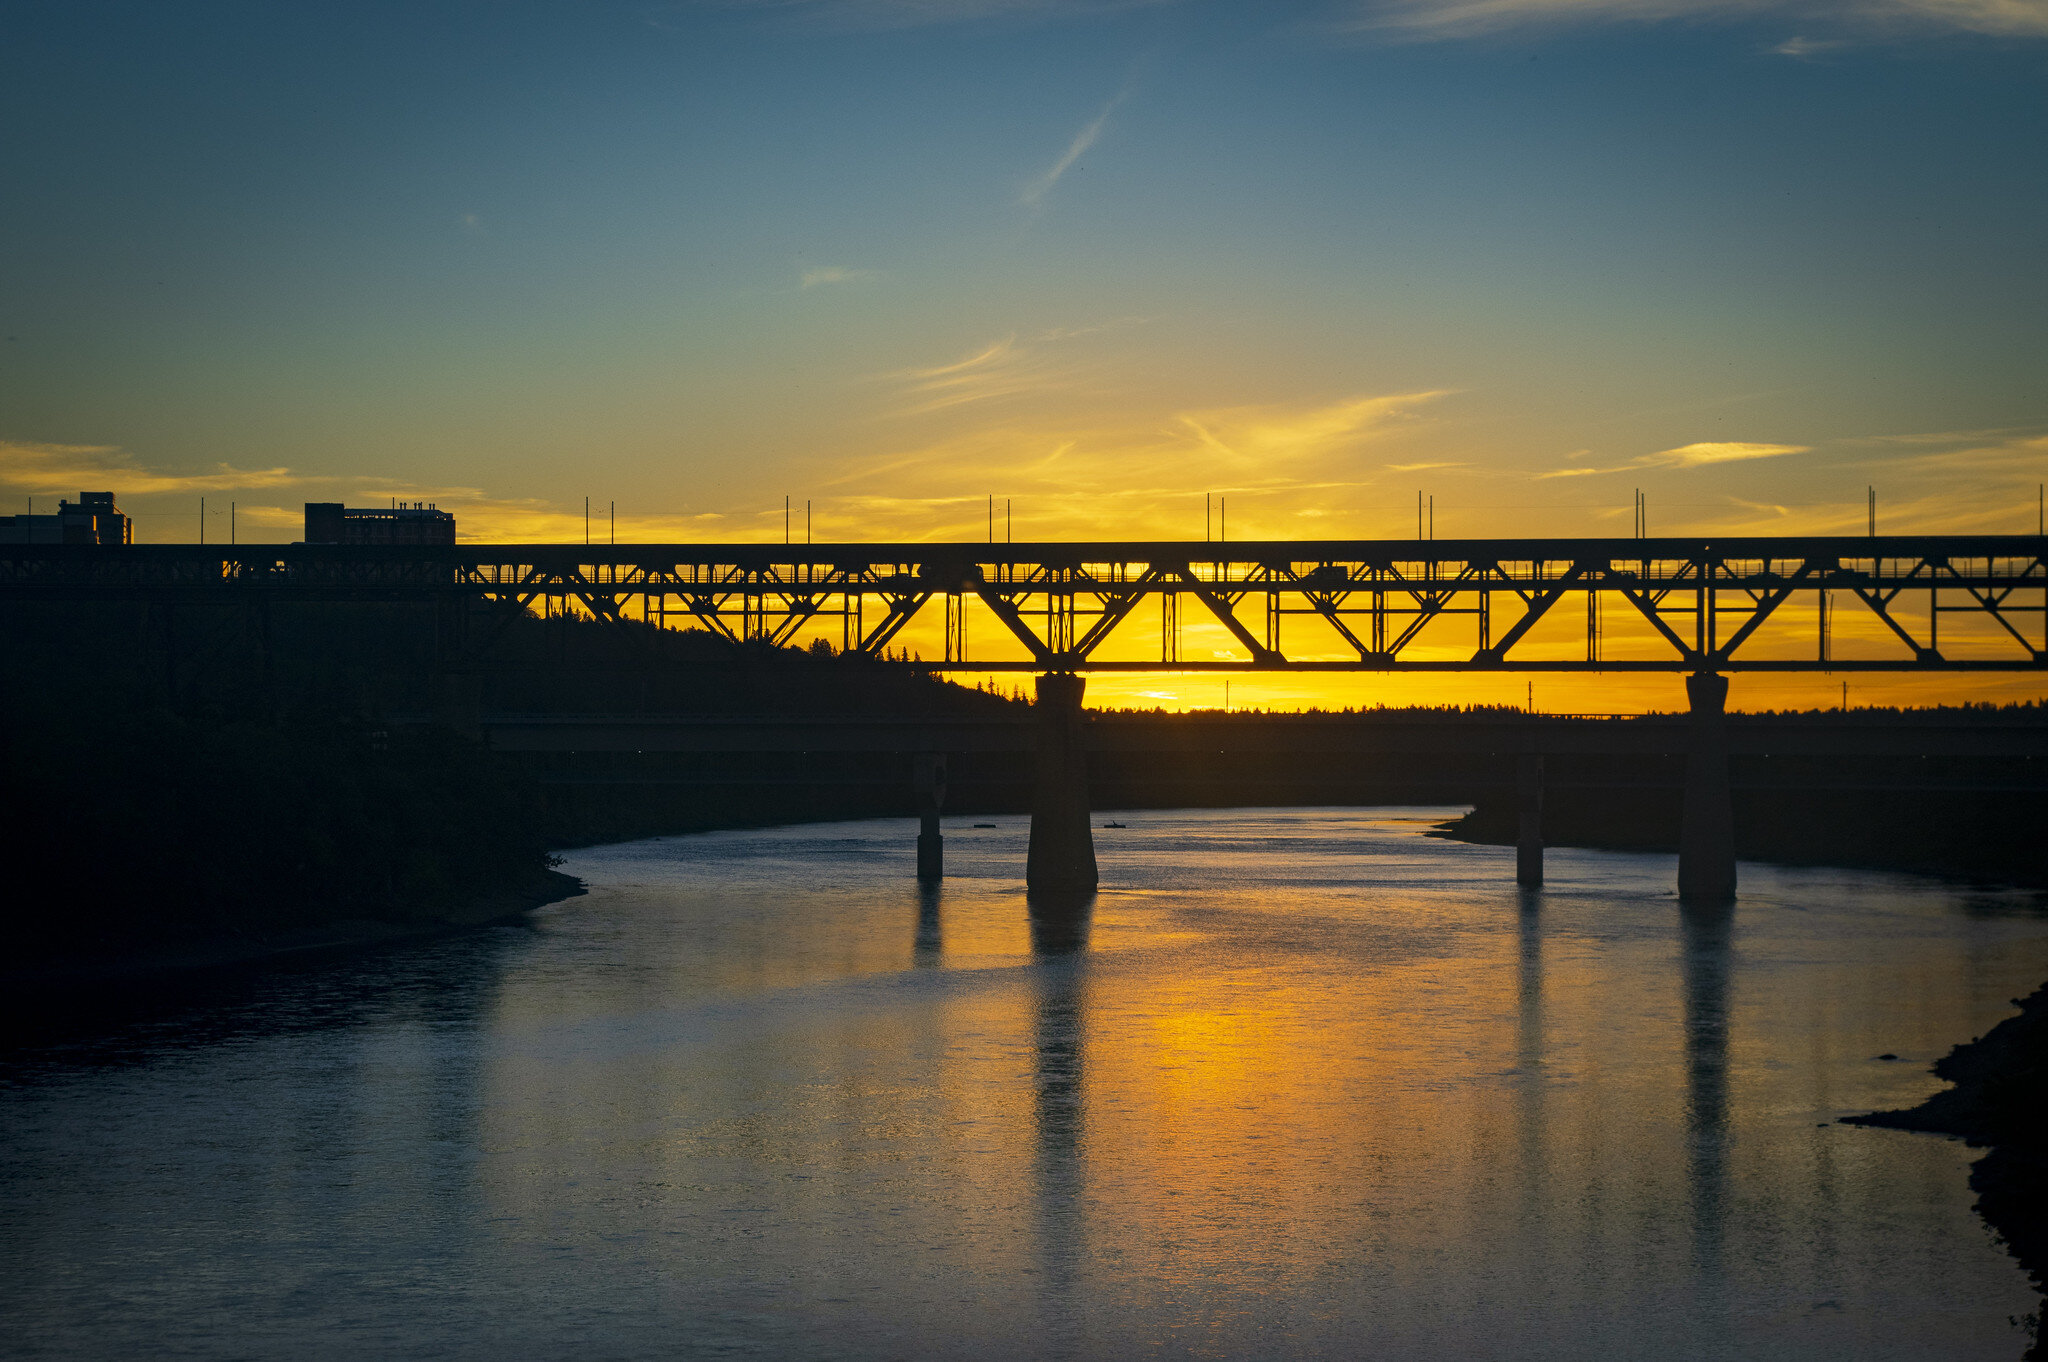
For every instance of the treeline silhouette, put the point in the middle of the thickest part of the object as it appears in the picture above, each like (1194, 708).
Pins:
(1971, 817)
(205, 771)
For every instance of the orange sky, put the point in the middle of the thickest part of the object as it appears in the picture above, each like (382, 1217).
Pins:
(1107, 263)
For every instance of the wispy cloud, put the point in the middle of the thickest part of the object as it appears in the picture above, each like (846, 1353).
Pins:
(835, 274)
(1261, 435)
(1799, 47)
(72, 468)
(1060, 333)
(1717, 451)
(1035, 192)
(1119, 479)
(1987, 437)
(1429, 20)
(2015, 463)
(1700, 455)
(1003, 368)
(1988, 487)
(855, 15)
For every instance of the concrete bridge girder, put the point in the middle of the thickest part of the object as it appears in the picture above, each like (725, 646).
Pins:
(1060, 736)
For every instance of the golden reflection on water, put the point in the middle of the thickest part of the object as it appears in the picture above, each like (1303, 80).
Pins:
(1296, 1083)
(1288, 1082)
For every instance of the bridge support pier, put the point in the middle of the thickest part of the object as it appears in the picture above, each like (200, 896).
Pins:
(1706, 834)
(1062, 855)
(1529, 822)
(930, 779)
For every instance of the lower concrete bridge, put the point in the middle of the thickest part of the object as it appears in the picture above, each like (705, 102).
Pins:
(1362, 734)
(1059, 737)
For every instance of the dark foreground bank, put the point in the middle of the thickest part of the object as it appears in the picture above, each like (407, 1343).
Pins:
(1999, 1102)
(225, 785)
(81, 970)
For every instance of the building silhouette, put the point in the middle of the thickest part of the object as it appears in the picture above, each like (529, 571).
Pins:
(92, 519)
(330, 522)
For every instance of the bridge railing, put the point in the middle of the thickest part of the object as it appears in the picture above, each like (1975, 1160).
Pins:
(1425, 605)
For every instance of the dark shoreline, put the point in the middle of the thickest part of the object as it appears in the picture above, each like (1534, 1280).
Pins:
(1976, 840)
(1998, 1103)
(74, 974)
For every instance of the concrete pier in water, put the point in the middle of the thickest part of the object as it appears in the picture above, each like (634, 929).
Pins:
(1062, 855)
(1529, 819)
(931, 799)
(1706, 834)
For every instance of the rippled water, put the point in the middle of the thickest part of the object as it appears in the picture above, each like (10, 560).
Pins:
(1309, 1084)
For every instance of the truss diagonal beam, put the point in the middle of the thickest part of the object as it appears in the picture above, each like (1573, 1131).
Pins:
(1005, 610)
(1116, 608)
(775, 594)
(901, 608)
(1539, 606)
(1766, 605)
(1879, 604)
(1330, 607)
(1227, 615)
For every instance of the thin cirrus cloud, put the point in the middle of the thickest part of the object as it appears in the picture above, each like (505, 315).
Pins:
(1717, 451)
(1988, 487)
(1797, 46)
(1004, 368)
(855, 15)
(1699, 455)
(1451, 19)
(825, 275)
(1035, 192)
(1121, 478)
(1263, 436)
(72, 468)
(1008, 367)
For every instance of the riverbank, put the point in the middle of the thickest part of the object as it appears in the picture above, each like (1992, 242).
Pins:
(84, 972)
(1999, 1102)
(1983, 837)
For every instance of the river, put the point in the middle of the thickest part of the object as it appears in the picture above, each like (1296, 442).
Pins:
(1308, 1083)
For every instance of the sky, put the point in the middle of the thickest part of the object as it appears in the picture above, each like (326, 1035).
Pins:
(1099, 259)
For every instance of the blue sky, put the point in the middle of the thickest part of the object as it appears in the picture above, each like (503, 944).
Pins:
(897, 255)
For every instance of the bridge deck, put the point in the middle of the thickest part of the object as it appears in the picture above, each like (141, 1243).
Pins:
(1383, 605)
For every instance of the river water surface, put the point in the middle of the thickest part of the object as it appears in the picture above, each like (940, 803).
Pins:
(1305, 1083)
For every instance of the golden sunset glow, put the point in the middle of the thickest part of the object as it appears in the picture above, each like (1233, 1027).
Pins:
(876, 271)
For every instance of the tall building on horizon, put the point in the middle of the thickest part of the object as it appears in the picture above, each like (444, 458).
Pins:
(330, 522)
(92, 519)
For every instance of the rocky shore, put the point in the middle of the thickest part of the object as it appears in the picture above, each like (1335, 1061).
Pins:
(1999, 1102)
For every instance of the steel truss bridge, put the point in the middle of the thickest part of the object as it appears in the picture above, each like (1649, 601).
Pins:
(1704, 601)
